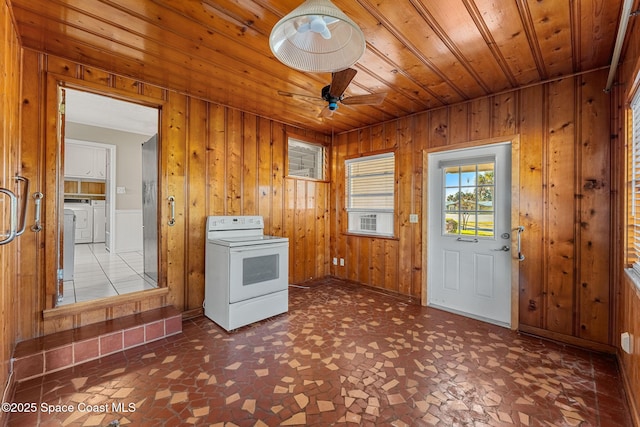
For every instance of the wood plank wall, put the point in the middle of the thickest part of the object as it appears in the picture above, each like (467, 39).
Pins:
(565, 289)
(627, 294)
(10, 76)
(214, 160)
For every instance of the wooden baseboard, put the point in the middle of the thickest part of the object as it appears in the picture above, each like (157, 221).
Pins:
(567, 339)
(193, 313)
(102, 303)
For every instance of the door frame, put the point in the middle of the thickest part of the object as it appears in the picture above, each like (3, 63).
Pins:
(54, 179)
(515, 212)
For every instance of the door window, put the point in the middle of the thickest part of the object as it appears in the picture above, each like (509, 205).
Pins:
(469, 191)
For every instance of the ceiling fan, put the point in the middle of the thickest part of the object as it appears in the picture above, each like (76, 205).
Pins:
(334, 93)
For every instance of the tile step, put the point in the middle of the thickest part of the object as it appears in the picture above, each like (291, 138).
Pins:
(62, 350)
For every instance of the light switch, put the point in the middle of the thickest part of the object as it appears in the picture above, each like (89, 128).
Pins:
(413, 218)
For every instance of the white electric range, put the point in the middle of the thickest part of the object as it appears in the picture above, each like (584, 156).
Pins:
(246, 272)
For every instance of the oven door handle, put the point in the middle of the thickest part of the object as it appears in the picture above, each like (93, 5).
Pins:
(254, 248)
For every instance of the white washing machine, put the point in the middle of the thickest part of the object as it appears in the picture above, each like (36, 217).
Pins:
(84, 218)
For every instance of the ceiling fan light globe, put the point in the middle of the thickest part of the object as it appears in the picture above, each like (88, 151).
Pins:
(317, 37)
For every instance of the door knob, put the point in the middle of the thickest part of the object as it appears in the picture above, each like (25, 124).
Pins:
(505, 248)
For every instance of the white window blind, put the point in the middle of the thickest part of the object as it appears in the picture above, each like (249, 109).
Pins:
(305, 159)
(370, 193)
(634, 217)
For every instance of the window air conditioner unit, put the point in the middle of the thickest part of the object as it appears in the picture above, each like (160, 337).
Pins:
(368, 222)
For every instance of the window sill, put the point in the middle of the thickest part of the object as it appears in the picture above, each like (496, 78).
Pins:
(306, 178)
(370, 236)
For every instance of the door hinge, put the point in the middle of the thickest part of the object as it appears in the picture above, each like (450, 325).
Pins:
(60, 274)
(61, 108)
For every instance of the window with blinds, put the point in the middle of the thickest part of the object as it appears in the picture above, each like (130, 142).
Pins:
(305, 159)
(633, 237)
(370, 194)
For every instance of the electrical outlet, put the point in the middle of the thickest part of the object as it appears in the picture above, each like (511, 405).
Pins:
(626, 342)
(335, 261)
(121, 190)
(341, 262)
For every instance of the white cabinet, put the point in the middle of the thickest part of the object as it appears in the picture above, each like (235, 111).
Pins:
(84, 161)
(100, 163)
(78, 160)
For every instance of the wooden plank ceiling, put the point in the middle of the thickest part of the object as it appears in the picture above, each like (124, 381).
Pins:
(422, 53)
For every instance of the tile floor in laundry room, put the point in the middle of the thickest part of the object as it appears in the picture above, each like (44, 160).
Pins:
(99, 273)
(342, 355)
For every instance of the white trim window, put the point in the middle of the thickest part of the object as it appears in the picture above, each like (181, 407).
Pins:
(370, 194)
(305, 159)
(633, 237)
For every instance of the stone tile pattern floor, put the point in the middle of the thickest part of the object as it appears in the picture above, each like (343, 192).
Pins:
(344, 355)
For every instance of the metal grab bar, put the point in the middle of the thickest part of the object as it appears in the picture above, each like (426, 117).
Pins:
(172, 203)
(38, 201)
(13, 217)
(520, 230)
(460, 239)
(25, 196)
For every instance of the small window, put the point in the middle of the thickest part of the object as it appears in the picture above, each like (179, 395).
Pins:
(370, 193)
(306, 159)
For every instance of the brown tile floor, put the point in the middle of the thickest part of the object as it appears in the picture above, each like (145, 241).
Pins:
(342, 355)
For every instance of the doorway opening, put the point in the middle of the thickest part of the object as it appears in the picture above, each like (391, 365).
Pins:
(109, 209)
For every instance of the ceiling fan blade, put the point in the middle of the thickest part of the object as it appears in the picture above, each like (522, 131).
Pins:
(371, 99)
(299, 96)
(340, 80)
(326, 112)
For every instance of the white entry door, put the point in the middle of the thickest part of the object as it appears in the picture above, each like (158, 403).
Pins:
(469, 239)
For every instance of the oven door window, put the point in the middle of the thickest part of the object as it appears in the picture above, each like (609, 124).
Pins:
(260, 269)
(257, 270)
